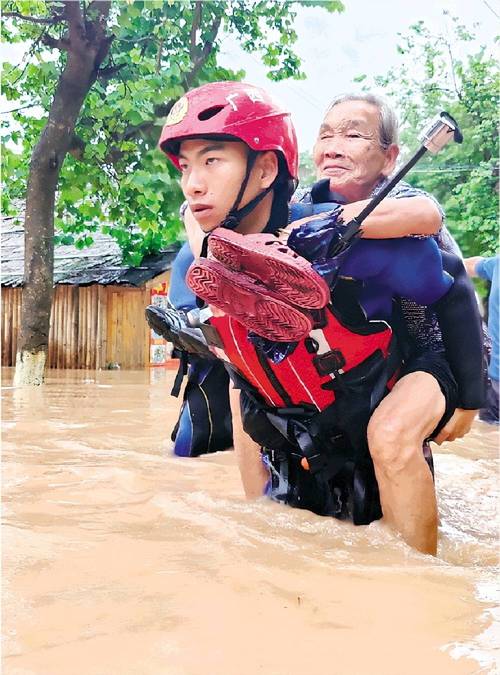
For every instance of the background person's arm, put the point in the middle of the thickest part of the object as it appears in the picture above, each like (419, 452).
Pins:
(471, 263)
(481, 267)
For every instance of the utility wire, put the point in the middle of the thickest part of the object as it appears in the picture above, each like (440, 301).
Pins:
(491, 9)
(447, 170)
(309, 98)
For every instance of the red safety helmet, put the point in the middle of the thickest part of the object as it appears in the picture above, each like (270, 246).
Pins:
(232, 109)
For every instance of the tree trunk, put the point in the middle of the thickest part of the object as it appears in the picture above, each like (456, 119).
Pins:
(87, 45)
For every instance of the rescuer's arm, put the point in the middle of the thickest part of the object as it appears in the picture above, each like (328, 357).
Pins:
(194, 232)
(460, 324)
(254, 474)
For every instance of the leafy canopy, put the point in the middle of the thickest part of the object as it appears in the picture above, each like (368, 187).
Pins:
(115, 178)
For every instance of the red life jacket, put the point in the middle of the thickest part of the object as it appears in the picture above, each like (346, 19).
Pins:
(306, 376)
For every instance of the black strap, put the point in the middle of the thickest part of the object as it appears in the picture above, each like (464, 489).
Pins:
(204, 246)
(232, 220)
(236, 215)
(181, 373)
(273, 379)
(321, 464)
(392, 363)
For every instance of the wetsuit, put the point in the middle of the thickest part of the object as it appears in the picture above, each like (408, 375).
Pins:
(204, 424)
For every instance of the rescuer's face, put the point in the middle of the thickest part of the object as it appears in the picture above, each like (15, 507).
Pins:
(212, 174)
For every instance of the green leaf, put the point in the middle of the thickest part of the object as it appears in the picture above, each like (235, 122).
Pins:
(73, 193)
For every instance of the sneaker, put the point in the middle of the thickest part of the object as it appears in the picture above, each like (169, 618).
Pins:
(243, 298)
(267, 259)
(172, 324)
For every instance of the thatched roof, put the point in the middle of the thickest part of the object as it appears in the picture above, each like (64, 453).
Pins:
(100, 263)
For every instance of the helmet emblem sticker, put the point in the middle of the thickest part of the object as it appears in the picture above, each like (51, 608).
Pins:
(254, 96)
(230, 100)
(178, 112)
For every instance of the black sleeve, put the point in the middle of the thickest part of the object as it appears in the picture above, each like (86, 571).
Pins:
(461, 328)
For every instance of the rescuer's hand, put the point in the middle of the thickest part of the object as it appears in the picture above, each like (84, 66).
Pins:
(459, 425)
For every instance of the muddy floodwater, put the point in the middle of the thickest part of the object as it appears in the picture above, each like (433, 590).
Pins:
(119, 558)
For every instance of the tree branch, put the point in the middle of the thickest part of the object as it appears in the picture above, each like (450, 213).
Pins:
(30, 53)
(76, 24)
(101, 6)
(194, 28)
(452, 66)
(103, 51)
(33, 19)
(77, 147)
(133, 132)
(55, 43)
(107, 73)
(163, 109)
(207, 47)
(84, 35)
(23, 107)
(491, 9)
(158, 56)
(159, 111)
(114, 153)
(200, 61)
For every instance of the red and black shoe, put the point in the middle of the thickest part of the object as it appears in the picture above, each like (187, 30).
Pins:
(246, 300)
(278, 267)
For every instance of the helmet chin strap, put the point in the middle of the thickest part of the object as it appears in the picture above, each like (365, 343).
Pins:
(236, 215)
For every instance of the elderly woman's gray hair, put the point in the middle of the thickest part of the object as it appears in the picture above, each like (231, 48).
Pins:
(388, 127)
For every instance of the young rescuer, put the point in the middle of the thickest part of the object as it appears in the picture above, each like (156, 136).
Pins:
(311, 361)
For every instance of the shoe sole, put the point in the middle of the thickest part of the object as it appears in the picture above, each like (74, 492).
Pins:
(157, 321)
(180, 339)
(275, 265)
(242, 298)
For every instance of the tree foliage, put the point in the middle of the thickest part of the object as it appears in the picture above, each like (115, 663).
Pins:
(114, 177)
(448, 72)
(307, 169)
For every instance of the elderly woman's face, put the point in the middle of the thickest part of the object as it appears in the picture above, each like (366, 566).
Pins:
(348, 150)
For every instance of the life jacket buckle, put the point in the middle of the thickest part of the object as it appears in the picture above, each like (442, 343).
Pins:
(330, 362)
(314, 463)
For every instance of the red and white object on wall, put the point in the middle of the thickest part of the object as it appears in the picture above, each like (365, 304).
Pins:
(159, 349)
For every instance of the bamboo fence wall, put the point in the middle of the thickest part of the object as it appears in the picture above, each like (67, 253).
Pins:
(11, 322)
(90, 326)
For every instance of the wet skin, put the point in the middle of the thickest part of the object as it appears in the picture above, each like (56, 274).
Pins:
(212, 174)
